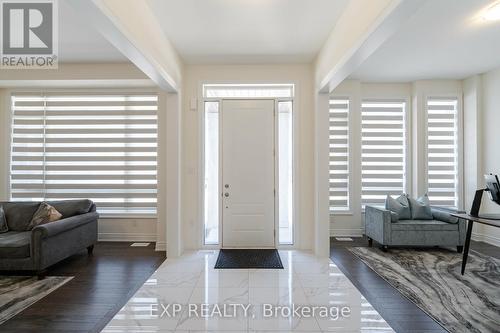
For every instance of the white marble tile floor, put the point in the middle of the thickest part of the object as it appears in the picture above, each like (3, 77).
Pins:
(187, 294)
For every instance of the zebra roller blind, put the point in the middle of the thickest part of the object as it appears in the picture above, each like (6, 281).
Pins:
(97, 146)
(442, 150)
(339, 155)
(383, 154)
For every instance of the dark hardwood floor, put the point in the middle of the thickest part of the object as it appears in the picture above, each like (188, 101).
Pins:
(399, 312)
(102, 284)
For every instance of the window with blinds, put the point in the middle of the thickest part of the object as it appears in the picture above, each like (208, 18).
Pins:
(97, 146)
(339, 155)
(442, 150)
(383, 154)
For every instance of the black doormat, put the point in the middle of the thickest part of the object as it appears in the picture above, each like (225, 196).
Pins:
(249, 258)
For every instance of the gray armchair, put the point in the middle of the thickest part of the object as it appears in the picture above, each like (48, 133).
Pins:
(385, 228)
(46, 244)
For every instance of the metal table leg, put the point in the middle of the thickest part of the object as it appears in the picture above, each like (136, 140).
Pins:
(467, 243)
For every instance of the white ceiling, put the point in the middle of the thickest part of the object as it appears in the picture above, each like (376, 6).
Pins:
(444, 40)
(79, 42)
(247, 31)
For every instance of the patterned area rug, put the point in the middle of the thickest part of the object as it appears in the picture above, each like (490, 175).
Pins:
(19, 292)
(431, 279)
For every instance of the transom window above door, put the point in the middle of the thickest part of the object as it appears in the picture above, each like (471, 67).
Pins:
(248, 90)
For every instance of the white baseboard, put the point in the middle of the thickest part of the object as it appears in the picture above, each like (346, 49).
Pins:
(346, 232)
(125, 237)
(486, 238)
(161, 246)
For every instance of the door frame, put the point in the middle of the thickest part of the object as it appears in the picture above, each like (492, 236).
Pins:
(200, 103)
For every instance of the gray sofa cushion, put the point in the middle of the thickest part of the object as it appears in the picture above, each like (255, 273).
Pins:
(3, 221)
(15, 244)
(70, 208)
(420, 208)
(422, 225)
(19, 214)
(400, 206)
(444, 216)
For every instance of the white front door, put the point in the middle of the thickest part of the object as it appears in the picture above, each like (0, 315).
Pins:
(247, 173)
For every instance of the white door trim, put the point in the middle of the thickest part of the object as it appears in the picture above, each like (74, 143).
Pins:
(296, 137)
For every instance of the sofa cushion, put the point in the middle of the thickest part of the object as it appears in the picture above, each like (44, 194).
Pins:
(420, 208)
(422, 225)
(15, 244)
(444, 216)
(400, 206)
(3, 221)
(19, 214)
(70, 208)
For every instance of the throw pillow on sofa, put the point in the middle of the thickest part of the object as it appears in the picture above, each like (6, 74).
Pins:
(70, 208)
(421, 208)
(44, 214)
(400, 206)
(3, 221)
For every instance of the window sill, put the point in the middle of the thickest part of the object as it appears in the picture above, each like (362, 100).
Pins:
(346, 213)
(128, 217)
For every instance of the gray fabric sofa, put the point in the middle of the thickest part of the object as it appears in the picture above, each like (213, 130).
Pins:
(388, 230)
(46, 244)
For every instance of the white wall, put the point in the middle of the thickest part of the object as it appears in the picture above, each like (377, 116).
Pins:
(489, 139)
(77, 75)
(473, 147)
(193, 77)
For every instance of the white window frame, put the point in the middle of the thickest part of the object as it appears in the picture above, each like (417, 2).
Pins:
(125, 90)
(350, 152)
(460, 188)
(296, 157)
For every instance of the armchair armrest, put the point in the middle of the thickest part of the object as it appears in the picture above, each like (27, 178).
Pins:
(54, 228)
(378, 224)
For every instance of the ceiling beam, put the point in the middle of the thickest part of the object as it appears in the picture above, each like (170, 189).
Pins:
(133, 28)
(363, 28)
